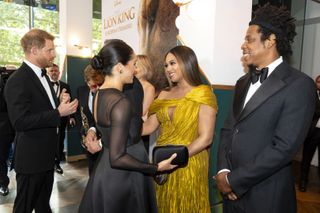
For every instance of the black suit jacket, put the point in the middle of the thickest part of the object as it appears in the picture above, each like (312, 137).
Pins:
(259, 141)
(5, 125)
(316, 116)
(135, 94)
(63, 85)
(83, 98)
(34, 120)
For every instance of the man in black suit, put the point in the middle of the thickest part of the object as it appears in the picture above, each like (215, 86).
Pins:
(272, 109)
(311, 143)
(85, 95)
(6, 137)
(35, 115)
(58, 86)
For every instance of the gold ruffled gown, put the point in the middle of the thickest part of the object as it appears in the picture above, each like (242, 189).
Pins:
(187, 188)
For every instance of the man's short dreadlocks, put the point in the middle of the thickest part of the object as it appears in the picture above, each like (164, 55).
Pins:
(278, 21)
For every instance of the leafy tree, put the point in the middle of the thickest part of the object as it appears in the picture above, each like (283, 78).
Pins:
(97, 34)
(13, 25)
(15, 22)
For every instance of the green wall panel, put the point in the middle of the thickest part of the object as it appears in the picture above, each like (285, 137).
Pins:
(224, 99)
(73, 75)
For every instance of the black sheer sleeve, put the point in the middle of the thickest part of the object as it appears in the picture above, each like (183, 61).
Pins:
(120, 116)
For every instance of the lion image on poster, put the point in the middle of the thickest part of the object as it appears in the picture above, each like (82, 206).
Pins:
(157, 34)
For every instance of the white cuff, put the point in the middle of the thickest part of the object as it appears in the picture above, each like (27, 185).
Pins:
(227, 179)
(225, 170)
(93, 129)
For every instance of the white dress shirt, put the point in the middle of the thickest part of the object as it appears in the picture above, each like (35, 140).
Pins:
(90, 102)
(56, 87)
(43, 80)
(254, 87)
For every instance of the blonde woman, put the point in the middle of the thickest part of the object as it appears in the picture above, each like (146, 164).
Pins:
(143, 71)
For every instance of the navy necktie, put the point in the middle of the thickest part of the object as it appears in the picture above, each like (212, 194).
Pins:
(258, 74)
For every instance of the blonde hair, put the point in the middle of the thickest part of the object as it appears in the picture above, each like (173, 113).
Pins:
(144, 64)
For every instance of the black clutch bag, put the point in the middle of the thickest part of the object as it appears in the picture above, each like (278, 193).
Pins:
(161, 153)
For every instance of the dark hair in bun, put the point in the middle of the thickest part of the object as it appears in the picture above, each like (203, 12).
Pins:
(113, 52)
(96, 63)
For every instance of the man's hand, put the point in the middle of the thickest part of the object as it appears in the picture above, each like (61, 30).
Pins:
(92, 142)
(66, 109)
(91, 136)
(232, 196)
(93, 147)
(223, 185)
(64, 96)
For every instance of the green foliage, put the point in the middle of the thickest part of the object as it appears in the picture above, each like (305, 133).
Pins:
(14, 23)
(96, 34)
(96, 5)
(47, 20)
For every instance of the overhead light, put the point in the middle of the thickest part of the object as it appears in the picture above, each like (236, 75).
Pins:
(95, 46)
(75, 41)
(86, 52)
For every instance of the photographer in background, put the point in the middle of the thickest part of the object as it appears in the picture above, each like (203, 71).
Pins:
(6, 134)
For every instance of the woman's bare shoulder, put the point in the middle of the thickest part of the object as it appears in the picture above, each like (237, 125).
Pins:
(165, 93)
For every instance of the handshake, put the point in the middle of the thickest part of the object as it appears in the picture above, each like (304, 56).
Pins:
(92, 143)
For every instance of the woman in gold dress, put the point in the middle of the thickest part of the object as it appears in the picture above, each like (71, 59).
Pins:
(186, 114)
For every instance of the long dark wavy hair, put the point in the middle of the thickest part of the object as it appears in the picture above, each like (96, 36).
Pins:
(188, 64)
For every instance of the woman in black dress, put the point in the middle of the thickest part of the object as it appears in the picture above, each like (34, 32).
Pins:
(121, 180)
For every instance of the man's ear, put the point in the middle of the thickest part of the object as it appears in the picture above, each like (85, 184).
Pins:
(34, 50)
(271, 41)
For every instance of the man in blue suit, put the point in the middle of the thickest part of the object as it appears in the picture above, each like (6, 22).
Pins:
(268, 121)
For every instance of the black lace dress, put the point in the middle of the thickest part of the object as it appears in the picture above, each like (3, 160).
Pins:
(121, 180)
